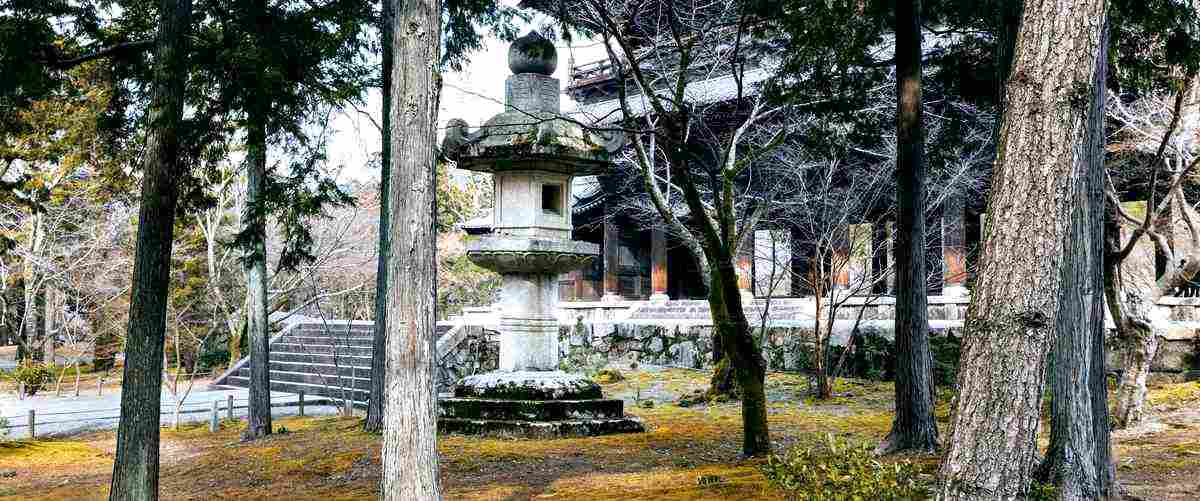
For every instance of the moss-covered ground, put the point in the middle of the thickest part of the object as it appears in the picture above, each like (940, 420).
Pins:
(687, 452)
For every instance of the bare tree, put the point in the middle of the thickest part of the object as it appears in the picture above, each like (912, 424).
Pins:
(655, 48)
(1160, 128)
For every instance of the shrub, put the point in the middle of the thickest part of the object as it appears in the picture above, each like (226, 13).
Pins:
(946, 350)
(874, 357)
(837, 470)
(33, 374)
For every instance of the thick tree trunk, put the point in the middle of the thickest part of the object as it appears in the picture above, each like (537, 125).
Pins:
(1041, 157)
(729, 321)
(135, 469)
(410, 458)
(255, 261)
(913, 428)
(374, 421)
(1078, 460)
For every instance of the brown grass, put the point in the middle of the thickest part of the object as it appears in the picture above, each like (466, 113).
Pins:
(328, 458)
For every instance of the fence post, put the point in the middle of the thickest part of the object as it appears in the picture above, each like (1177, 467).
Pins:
(32, 424)
(229, 407)
(215, 423)
(21, 390)
(301, 394)
(100, 386)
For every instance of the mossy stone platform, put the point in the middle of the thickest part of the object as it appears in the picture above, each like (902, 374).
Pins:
(532, 404)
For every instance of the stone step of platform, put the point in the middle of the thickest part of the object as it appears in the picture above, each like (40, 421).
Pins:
(330, 370)
(530, 410)
(358, 351)
(334, 392)
(325, 341)
(360, 383)
(321, 358)
(539, 429)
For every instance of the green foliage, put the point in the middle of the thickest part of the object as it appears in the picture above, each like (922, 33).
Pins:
(874, 357)
(461, 283)
(946, 351)
(837, 470)
(33, 374)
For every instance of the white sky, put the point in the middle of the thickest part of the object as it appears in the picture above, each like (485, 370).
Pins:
(474, 94)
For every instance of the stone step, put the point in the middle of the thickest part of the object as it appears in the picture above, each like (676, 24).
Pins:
(320, 358)
(539, 429)
(333, 392)
(530, 410)
(329, 370)
(361, 351)
(321, 340)
(362, 383)
(334, 330)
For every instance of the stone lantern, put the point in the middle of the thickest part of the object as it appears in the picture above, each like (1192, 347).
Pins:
(533, 153)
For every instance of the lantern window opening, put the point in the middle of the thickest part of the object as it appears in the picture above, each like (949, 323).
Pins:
(552, 199)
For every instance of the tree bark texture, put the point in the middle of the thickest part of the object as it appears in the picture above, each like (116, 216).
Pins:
(255, 261)
(1078, 461)
(135, 469)
(1041, 157)
(913, 427)
(374, 421)
(410, 459)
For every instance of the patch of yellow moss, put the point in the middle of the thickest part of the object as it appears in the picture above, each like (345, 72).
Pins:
(725, 481)
(1174, 394)
(48, 453)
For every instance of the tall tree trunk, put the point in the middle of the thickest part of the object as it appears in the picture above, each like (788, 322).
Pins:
(410, 459)
(135, 469)
(374, 421)
(913, 427)
(39, 321)
(729, 320)
(255, 261)
(1078, 461)
(1041, 157)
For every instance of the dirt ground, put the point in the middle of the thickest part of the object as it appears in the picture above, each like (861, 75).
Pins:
(330, 459)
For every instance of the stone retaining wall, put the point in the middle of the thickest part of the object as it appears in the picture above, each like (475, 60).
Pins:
(679, 333)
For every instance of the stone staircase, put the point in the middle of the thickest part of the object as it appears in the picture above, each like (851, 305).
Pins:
(330, 359)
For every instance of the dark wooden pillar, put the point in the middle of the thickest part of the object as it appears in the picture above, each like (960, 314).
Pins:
(611, 251)
(801, 265)
(658, 265)
(881, 257)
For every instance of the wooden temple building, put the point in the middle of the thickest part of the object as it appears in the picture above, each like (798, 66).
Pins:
(642, 262)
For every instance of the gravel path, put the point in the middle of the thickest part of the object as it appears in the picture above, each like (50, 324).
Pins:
(67, 415)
